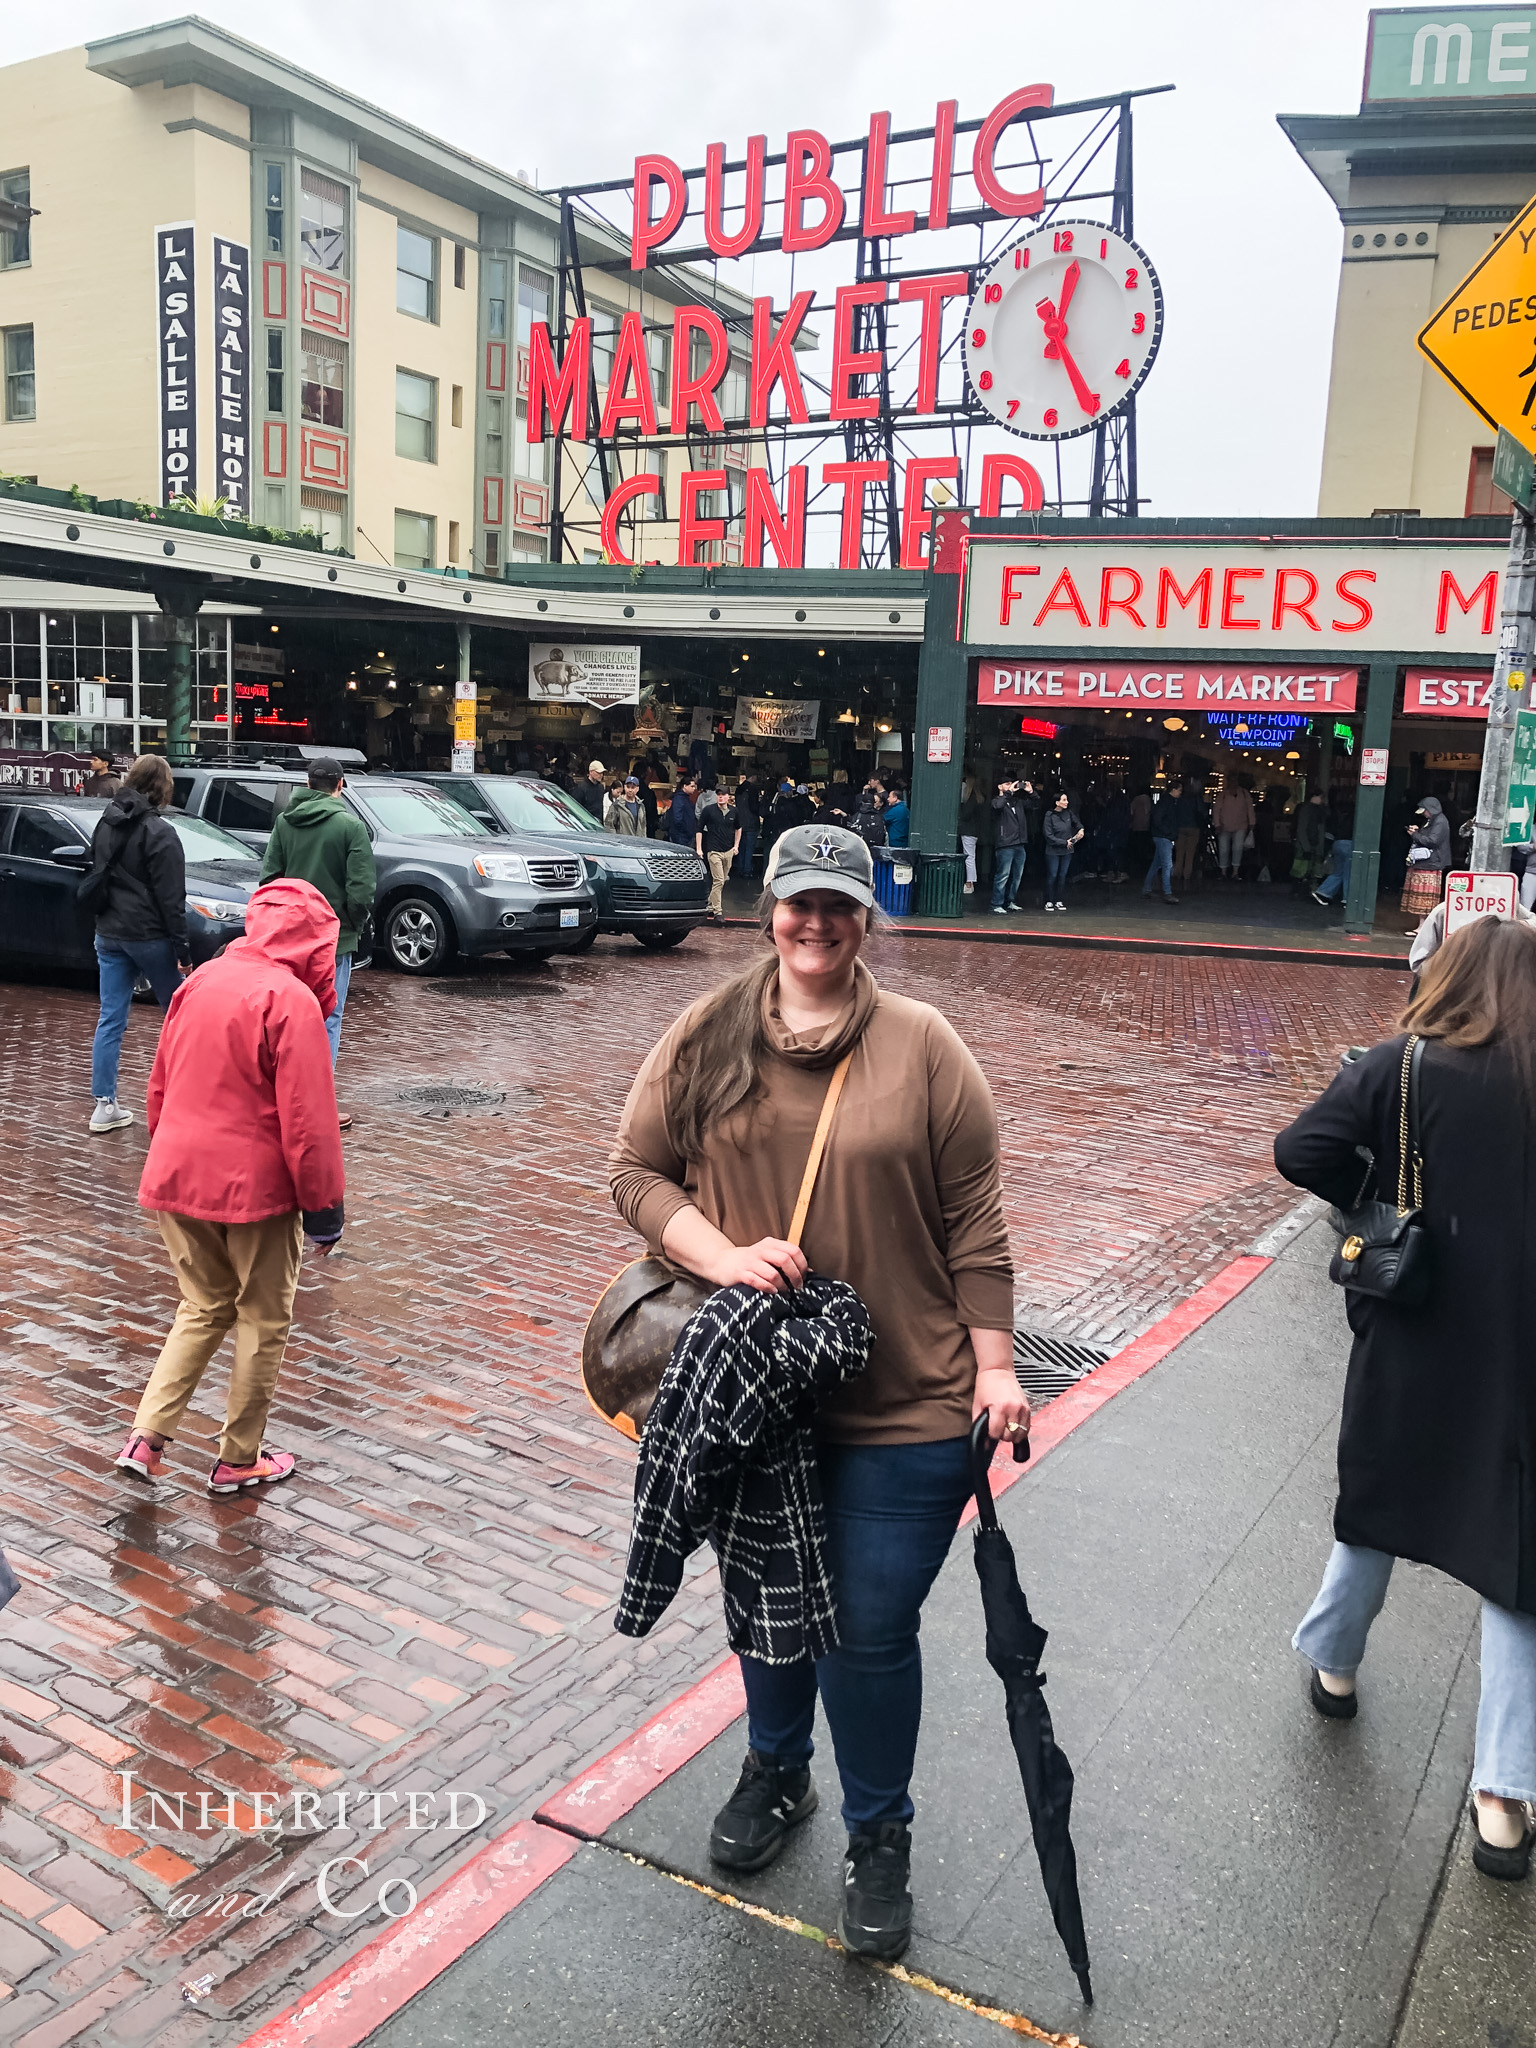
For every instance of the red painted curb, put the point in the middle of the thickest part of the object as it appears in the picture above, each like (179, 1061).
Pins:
(346, 2008)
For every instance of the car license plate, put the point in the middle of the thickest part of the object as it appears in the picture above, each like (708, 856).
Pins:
(569, 919)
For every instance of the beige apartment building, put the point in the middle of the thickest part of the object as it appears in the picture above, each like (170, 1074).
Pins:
(1438, 161)
(238, 281)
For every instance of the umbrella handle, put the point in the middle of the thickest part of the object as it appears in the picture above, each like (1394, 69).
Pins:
(981, 1465)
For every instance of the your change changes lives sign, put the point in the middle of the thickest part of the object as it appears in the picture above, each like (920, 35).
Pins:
(572, 674)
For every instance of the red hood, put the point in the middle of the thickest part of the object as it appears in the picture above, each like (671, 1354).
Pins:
(290, 922)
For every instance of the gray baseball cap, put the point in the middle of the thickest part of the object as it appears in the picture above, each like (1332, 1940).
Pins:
(821, 857)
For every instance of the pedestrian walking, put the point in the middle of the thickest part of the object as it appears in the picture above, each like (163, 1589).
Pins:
(1189, 822)
(907, 1210)
(102, 779)
(137, 890)
(718, 837)
(1232, 815)
(1340, 852)
(1429, 855)
(1443, 1478)
(1309, 854)
(749, 815)
(244, 1164)
(1163, 829)
(588, 790)
(1061, 831)
(1116, 828)
(682, 817)
(321, 839)
(1013, 810)
(625, 813)
(972, 825)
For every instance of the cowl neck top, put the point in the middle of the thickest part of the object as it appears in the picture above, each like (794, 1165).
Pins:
(824, 1044)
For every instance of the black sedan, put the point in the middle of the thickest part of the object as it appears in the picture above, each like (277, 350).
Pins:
(45, 848)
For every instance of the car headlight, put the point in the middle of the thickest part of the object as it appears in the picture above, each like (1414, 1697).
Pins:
(217, 909)
(501, 867)
(622, 867)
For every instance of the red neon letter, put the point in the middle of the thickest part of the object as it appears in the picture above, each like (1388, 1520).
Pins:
(1298, 605)
(997, 196)
(1231, 597)
(847, 362)
(714, 198)
(807, 160)
(932, 292)
(876, 220)
(648, 234)
(1011, 592)
(998, 469)
(1201, 588)
(691, 529)
(1487, 591)
(1362, 606)
(943, 163)
(773, 359)
(916, 518)
(1063, 598)
(630, 361)
(762, 521)
(648, 486)
(558, 393)
(853, 476)
(688, 390)
(1108, 602)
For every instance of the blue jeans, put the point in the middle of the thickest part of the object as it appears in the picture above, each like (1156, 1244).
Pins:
(120, 963)
(333, 1022)
(1008, 874)
(891, 1511)
(1162, 867)
(1332, 884)
(1332, 1637)
(746, 850)
(1056, 865)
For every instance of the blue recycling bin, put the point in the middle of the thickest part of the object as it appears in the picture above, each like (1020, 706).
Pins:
(895, 878)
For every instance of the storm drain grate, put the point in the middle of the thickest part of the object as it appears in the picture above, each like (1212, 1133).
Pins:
(439, 1098)
(1046, 1366)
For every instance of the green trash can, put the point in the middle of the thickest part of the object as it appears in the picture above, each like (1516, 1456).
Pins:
(939, 879)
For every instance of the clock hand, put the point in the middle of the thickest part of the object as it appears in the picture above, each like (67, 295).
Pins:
(1068, 287)
(1056, 348)
(1088, 400)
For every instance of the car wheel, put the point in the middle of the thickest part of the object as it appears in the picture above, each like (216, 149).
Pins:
(419, 936)
(660, 942)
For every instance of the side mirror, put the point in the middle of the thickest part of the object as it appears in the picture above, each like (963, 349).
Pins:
(71, 856)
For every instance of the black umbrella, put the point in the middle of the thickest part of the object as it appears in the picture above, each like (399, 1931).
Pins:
(1015, 1641)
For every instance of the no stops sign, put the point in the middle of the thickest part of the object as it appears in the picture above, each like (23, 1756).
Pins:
(1483, 339)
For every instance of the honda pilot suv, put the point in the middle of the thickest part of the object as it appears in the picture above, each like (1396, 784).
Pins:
(446, 885)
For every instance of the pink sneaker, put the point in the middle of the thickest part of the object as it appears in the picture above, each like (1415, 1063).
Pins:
(269, 1465)
(140, 1459)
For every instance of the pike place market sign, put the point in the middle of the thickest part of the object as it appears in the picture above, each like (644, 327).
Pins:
(1322, 602)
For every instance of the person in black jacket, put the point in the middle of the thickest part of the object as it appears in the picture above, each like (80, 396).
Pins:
(141, 919)
(1017, 810)
(1061, 832)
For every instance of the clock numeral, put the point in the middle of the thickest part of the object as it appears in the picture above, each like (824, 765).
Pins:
(1021, 259)
(992, 294)
(1132, 279)
(1123, 367)
(1103, 250)
(1013, 406)
(1052, 417)
(1062, 246)
(984, 381)
(1139, 324)
(978, 337)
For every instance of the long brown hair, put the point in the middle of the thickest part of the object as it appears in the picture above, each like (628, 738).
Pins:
(1480, 989)
(719, 1064)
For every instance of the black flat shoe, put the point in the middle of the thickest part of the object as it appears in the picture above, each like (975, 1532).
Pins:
(1512, 1865)
(1335, 1706)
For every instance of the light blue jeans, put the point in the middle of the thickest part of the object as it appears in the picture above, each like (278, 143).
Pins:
(1162, 867)
(1333, 882)
(119, 963)
(333, 1022)
(1332, 1638)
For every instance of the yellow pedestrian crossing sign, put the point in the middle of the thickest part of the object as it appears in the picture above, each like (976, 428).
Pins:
(1483, 339)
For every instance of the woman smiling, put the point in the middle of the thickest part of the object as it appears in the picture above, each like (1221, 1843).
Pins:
(908, 1210)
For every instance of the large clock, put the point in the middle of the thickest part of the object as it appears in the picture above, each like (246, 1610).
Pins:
(1063, 329)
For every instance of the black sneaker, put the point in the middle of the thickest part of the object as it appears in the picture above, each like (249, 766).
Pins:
(754, 1823)
(876, 1917)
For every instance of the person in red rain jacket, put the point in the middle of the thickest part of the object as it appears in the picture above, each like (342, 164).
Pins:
(244, 1162)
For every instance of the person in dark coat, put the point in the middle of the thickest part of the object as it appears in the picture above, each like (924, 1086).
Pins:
(1444, 1474)
(682, 817)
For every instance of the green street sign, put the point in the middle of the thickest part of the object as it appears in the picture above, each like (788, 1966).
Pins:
(1514, 471)
(1522, 782)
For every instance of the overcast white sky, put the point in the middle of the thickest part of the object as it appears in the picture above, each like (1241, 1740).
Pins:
(1246, 242)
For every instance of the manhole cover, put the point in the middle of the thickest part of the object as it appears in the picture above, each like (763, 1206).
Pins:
(1046, 1366)
(444, 1098)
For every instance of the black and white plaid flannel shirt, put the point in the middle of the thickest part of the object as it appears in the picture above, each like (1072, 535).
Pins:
(728, 1455)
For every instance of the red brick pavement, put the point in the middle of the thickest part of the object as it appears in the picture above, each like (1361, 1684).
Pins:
(426, 1609)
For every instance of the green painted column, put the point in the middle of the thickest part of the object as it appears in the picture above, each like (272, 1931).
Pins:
(1370, 800)
(941, 701)
(181, 607)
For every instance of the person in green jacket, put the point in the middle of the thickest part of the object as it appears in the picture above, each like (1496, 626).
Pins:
(320, 839)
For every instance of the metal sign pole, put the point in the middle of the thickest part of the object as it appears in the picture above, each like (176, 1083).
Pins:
(1511, 693)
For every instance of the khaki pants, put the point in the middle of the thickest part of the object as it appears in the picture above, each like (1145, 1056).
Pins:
(719, 869)
(1186, 856)
(242, 1275)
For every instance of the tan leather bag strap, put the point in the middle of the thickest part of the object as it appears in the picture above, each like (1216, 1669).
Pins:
(818, 1146)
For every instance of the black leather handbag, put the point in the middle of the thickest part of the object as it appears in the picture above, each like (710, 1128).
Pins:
(1386, 1252)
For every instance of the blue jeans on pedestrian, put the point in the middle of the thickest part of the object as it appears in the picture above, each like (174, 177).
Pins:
(333, 1022)
(1332, 1638)
(1333, 882)
(120, 962)
(1008, 874)
(1056, 865)
(746, 851)
(891, 1511)
(1162, 867)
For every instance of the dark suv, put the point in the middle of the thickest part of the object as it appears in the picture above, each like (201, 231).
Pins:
(445, 885)
(655, 891)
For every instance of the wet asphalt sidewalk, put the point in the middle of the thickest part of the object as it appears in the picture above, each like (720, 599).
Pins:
(1250, 1872)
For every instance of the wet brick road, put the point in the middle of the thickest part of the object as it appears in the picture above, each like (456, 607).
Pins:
(426, 1610)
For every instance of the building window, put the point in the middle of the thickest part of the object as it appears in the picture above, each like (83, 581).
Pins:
(733, 394)
(458, 266)
(456, 406)
(20, 384)
(605, 339)
(492, 553)
(322, 379)
(415, 274)
(1482, 499)
(495, 441)
(658, 346)
(495, 274)
(527, 551)
(535, 295)
(453, 540)
(274, 209)
(415, 416)
(325, 513)
(322, 223)
(415, 540)
(277, 505)
(16, 242)
(528, 457)
(275, 343)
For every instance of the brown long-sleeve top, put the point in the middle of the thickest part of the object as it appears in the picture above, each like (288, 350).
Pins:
(908, 1205)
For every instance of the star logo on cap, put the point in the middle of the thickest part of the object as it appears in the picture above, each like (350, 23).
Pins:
(825, 851)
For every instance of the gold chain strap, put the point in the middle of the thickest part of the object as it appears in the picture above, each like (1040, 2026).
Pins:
(1402, 1139)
